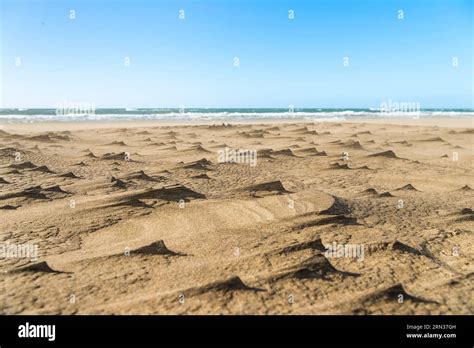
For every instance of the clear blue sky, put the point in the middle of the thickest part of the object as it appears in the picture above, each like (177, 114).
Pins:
(282, 61)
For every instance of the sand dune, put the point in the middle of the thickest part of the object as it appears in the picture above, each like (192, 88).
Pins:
(142, 219)
(386, 154)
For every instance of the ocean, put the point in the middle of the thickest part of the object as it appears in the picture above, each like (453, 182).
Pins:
(217, 114)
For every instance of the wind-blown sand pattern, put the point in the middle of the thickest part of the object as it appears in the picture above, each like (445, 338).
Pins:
(145, 219)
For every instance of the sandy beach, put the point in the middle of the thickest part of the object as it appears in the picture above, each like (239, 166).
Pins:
(237, 218)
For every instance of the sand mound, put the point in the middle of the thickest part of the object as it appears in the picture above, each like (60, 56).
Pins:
(56, 189)
(226, 285)
(273, 129)
(338, 207)
(61, 136)
(35, 192)
(3, 181)
(386, 154)
(9, 207)
(363, 133)
(201, 176)
(131, 202)
(169, 193)
(118, 143)
(392, 294)
(197, 166)
(24, 165)
(39, 267)
(465, 188)
(173, 133)
(42, 169)
(283, 152)
(155, 248)
(199, 148)
(251, 135)
(265, 153)
(354, 145)
(119, 183)
(69, 175)
(386, 194)
(341, 166)
(299, 130)
(222, 146)
(316, 267)
(31, 192)
(141, 175)
(170, 148)
(337, 219)
(338, 165)
(315, 244)
(81, 164)
(435, 139)
(204, 161)
(115, 156)
(202, 164)
(14, 171)
(313, 151)
(45, 138)
(48, 138)
(408, 187)
(371, 191)
(272, 186)
(404, 248)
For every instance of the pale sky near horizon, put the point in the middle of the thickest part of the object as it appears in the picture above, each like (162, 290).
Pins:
(47, 57)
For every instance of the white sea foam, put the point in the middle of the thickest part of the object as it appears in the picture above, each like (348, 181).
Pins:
(319, 116)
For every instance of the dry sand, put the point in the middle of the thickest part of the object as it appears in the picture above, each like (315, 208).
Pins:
(142, 218)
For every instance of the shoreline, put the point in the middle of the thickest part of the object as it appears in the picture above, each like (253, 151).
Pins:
(41, 126)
